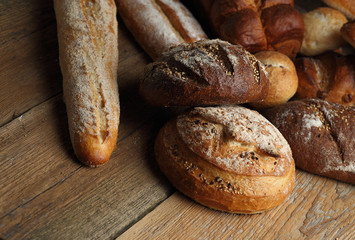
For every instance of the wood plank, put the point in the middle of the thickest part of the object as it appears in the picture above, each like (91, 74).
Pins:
(318, 208)
(29, 64)
(45, 192)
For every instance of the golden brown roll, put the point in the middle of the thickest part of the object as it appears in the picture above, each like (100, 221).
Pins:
(322, 31)
(227, 158)
(283, 80)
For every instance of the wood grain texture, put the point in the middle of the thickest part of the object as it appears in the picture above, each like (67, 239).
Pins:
(29, 69)
(318, 208)
(45, 193)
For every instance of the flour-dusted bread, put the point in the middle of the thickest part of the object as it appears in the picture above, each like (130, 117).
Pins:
(347, 7)
(228, 158)
(209, 72)
(321, 135)
(88, 53)
(159, 24)
(322, 31)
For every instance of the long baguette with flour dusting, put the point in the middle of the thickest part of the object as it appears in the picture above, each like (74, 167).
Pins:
(88, 52)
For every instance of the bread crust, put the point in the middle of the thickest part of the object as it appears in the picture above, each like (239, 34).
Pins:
(257, 25)
(321, 136)
(348, 32)
(330, 77)
(209, 72)
(322, 31)
(158, 25)
(282, 77)
(216, 156)
(88, 52)
(347, 7)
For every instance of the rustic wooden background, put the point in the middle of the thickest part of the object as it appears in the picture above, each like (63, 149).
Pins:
(45, 193)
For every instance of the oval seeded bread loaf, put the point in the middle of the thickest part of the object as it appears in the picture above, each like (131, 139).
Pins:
(209, 72)
(227, 158)
(321, 135)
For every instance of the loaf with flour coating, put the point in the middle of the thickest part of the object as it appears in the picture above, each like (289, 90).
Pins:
(159, 24)
(321, 136)
(88, 54)
(228, 158)
(208, 72)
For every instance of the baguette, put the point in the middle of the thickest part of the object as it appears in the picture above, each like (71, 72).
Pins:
(158, 25)
(88, 53)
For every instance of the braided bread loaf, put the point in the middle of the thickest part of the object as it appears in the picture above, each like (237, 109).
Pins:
(257, 24)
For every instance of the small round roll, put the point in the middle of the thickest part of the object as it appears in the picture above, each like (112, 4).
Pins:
(283, 79)
(227, 158)
(322, 31)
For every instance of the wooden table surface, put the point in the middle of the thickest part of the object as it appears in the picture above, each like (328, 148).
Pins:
(45, 193)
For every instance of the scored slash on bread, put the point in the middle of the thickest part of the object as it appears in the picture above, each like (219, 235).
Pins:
(207, 72)
(321, 136)
(228, 158)
(88, 53)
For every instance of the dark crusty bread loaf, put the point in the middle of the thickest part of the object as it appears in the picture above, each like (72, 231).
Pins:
(159, 24)
(321, 136)
(227, 158)
(209, 72)
(257, 25)
(330, 77)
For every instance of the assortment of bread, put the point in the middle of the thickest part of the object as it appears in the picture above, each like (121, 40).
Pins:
(222, 155)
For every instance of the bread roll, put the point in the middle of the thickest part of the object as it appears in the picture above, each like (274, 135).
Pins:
(257, 25)
(348, 32)
(321, 136)
(330, 77)
(322, 31)
(227, 158)
(88, 53)
(282, 77)
(347, 7)
(159, 24)
(209, 72)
